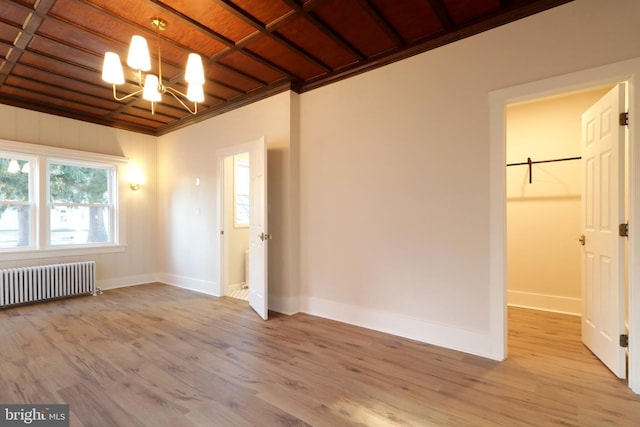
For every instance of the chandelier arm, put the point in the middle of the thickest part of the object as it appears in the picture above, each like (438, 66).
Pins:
(115, 95)
(175, 92)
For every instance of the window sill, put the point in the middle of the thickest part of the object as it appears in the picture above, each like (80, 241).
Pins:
(60, 252)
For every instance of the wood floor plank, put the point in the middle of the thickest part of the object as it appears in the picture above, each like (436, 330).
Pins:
(159, 355)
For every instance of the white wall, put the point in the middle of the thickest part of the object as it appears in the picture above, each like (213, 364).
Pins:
(544, 217)
(395, 188)
(189, 246)
(137, 263)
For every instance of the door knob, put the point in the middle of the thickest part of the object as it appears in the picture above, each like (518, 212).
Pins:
(582, 239)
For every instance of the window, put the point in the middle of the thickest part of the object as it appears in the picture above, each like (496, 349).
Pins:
(16, 202)
(241, 186)
(81, 203)
(57, 199)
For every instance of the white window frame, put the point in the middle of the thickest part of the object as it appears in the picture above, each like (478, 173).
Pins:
(40, 223)
(111, 205)
(31, 200)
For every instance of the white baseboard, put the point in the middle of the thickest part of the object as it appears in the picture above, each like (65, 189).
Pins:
(467, 341)
(122, 282)
(284, 305)
(544, 302)
(190, 283)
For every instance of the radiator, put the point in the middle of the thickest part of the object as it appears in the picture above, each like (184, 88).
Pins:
(44, 282)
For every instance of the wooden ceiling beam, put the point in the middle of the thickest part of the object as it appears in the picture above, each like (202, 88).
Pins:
(268, 32)
(34, 19)
(382, 23)
(231, 45)
(442, 14)
(306, 12)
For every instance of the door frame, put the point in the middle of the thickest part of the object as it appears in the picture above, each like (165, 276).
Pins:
(221, 154)
(628, 71)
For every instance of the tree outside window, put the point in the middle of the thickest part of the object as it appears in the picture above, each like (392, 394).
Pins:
(81, 205)
(15, 203)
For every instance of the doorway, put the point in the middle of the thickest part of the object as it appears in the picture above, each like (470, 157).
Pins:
(236, 198)
(498, 101)
(258, 234)
(544, 203)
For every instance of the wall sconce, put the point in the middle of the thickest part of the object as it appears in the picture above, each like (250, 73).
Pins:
(136, 178)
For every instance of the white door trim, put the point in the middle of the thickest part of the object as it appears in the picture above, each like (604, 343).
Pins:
(498, 100)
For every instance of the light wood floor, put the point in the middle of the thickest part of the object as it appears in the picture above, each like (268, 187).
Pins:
(155, 355)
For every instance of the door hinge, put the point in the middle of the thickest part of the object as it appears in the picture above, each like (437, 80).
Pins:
(624, 119)
(623, 230)
(624, 340)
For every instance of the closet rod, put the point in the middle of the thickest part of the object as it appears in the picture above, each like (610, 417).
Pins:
(529, 162)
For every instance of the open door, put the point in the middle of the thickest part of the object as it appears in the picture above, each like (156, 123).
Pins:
(603, 308)
(258, 233)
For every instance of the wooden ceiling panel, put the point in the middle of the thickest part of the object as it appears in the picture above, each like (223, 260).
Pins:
(49, 47)
(62, 93)
(42, 99)
(8, 34)
(136, 120)
(59, 68)
(4, 50)
(354, 23)
(13, 14)
(220, 90)
(97, 90)
(266, 11)
(214, 16)
(413, 19)
(179, 30)
(234, 80)
(51, 51)
(464, 10)
(164, 113)
(80, 40)
(304, 34)
(250, 66)
(284, 58)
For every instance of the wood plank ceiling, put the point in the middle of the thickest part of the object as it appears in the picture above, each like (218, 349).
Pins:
(51, 51)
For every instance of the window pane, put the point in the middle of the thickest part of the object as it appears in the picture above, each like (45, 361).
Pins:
(241, 188)
(14, 180)
(75, 184)
(242, 210)
(75, 225)
(15, 223)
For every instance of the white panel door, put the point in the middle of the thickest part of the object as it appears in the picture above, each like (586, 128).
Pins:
(603, 308)
(258, 233)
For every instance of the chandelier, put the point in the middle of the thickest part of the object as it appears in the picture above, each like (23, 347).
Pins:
(152, 87)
